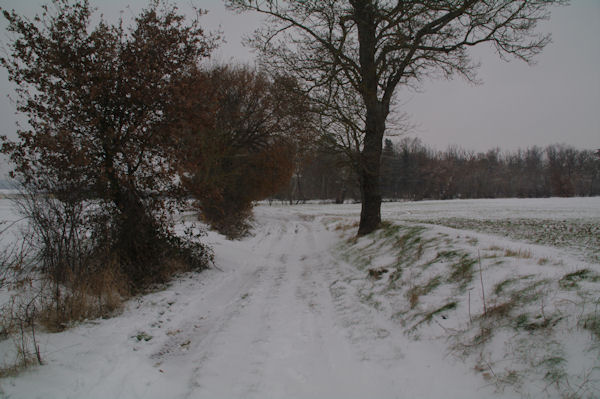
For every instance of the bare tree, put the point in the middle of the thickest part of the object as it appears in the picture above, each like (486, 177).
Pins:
(371, 47)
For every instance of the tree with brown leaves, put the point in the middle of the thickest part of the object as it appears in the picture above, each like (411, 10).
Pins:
(240, 132)
(96, 96)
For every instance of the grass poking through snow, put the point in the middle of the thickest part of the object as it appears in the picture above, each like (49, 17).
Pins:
(520, 319)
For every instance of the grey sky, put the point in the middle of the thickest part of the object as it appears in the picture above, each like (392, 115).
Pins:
(555, 101)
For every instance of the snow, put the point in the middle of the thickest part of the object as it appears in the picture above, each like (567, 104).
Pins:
(287, 315)
(511, 208)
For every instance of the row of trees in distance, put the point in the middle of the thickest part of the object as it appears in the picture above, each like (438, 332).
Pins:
(410, 170)
(413, 171)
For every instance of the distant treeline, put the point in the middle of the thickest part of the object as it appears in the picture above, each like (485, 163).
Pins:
(412, 170)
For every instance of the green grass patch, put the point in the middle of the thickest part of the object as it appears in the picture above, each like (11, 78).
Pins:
(447, 255)
(143, 336)
(404, 242)
(591, 322)
(415, 292)
(551, 362)
(429, 316)
(521, 321)
(500, 287)
(570, 280)
(500, 311)
(462, 271)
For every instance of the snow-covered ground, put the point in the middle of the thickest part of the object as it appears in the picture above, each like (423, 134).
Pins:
(294, 311)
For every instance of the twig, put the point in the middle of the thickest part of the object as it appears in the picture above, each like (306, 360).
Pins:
(543, 314)
(11, 225)
(481, 280)
(218, 268)
(447, 330)
(491, 370)
(470, 318)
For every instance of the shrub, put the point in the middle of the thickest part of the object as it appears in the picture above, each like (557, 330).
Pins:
(243, 149)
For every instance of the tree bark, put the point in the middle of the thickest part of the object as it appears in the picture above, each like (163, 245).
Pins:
(370, 157)
(370, 168)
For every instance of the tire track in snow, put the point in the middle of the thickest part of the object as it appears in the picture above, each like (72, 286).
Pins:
(201, 325)
(286, 321)
(239, 345)
(282, 339)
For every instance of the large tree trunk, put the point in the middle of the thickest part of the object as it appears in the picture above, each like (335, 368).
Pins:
(370, 167)
(370, 213)
(370, 158)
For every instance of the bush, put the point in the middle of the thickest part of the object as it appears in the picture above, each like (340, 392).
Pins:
(87, 260)
(242, 149)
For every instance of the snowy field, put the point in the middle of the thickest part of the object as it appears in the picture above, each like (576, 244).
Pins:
(452, 299)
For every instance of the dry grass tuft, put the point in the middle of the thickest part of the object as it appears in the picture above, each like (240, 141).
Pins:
(520, 253)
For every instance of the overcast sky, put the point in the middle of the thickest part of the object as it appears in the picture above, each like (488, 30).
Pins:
(517, 106)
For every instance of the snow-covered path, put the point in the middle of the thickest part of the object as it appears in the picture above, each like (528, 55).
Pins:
(274, 333)
(278, 326)
(280, 320)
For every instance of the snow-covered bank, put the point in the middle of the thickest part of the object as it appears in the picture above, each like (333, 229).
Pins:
(293, 313)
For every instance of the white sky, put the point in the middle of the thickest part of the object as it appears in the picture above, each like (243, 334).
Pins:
(517, 106)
